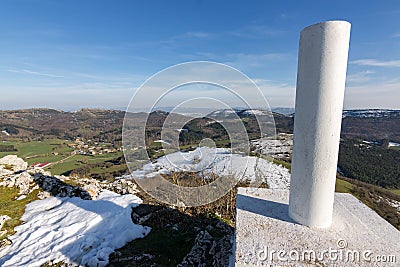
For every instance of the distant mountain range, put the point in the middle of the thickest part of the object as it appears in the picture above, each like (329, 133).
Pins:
(98, 124)
(371, 113)
(351, 113)
(360, 113)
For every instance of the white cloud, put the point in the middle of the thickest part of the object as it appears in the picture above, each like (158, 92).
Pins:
(360, 77)
(376, 63)
(253, 60)
(396, 35)
(25, 71)
(255, 31)
(200, 35)
(277, 94)
(384, 95)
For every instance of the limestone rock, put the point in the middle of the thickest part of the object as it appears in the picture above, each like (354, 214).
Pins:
(5, 242)
(199, 252)
(4, 172)
(120, 186)
(14, 163)
(23, 182)
(93, 189)
(221, 250)
(8, 181)
(3, 219)
(43, 195)
(3, 232)
(56, 187)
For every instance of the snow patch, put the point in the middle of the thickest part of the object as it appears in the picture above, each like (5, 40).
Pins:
(219, 161)
(370, 142)
(371, 113)
(75, 231)
(257, 112)
(393, 144)
(163, 142)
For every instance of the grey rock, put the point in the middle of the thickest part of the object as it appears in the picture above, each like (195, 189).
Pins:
(221, 251)
(198, 255)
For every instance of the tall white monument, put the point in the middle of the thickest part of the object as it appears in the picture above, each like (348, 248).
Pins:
(321, 80)
(280, 227)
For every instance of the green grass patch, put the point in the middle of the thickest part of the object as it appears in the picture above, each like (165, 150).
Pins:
(157, 145)
(285, 164)
(188, 147)
(67, 165)
(222, 143)
(78, 160)
(40, 151)
(102, 170)
(13, 208)
(343, 186)
(395, 191)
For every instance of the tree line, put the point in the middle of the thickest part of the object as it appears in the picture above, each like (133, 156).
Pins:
(370, 163)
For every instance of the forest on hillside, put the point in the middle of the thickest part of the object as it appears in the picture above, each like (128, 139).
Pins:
(371, 163)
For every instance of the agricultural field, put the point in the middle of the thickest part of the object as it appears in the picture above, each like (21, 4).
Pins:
(63, 158)
(76, 161)
(48, 150)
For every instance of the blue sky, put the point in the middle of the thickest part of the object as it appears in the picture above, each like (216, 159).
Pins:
(74, 54)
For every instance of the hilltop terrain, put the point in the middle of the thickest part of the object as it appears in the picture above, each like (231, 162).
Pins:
(80, 154)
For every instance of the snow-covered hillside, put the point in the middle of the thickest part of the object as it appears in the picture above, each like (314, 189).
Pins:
(232, 113)
(359, 113)
(221, 162)
(76, 231)
(279, 148)
(371, 113)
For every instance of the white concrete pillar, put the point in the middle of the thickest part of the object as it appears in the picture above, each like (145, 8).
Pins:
(321, 77)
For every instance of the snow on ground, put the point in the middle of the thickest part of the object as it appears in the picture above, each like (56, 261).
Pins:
(221, 162)
(280, 148)
(163, 142)
(371, 142)
(255, 112)
(393, 144)
(370, 113)
(78, 232)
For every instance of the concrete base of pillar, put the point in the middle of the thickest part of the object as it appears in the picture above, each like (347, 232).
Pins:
(265, 235)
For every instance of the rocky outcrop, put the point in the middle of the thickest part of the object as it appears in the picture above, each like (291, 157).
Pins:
(4, 243)
(209, 251)
(221, 251)
(23, 181)
(199, 253)
(14, 172)
(4, 172)
(13, 163)
(58, 188)
(120, 186)
(3, 219)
